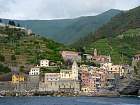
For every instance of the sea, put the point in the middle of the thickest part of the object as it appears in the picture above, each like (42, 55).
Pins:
(45, 100)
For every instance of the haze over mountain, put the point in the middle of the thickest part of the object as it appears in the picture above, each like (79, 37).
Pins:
(68, 31)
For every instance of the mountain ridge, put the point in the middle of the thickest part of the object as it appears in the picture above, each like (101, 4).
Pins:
(68, 30)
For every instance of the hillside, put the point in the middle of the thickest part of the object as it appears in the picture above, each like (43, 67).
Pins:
(118, 24)
(107, 38)
(18, 48)
(121, 48)
(68, 30)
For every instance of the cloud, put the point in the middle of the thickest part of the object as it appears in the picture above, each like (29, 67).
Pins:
(52, 9)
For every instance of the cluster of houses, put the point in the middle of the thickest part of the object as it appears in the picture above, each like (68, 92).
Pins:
(79, 78)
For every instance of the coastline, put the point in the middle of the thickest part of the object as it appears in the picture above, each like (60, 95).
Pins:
(62, 94)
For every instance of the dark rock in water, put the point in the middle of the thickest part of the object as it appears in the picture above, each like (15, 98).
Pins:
(131, 84)
(133, 88)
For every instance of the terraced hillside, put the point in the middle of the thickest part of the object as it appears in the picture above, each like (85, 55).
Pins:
(121, 48)
(18, 48)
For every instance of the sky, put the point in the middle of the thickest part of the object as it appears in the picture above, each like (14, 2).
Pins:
(60, 9)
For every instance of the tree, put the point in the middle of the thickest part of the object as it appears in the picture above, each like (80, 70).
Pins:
(4, 69)
(2, 58)
(21, 69)
(13, 57)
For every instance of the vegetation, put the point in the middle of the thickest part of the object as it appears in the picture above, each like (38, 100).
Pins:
(4, 69)
(19, 48)
(121, 48)
(120, 37)
(68, 30)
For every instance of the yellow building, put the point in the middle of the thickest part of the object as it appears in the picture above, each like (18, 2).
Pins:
(16, 78)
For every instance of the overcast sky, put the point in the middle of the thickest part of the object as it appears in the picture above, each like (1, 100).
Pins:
(54, 9)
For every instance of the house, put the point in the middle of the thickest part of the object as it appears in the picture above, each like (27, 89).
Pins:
(114, 68)
(17, 78)
(84, 76)
(71, 56)
(98, 79)
(44, 63)
(34, 71)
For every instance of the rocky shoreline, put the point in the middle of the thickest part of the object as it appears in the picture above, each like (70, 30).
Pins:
(62, 94)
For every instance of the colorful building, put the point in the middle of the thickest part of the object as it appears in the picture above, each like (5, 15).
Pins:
(71, 56)
(17, 78)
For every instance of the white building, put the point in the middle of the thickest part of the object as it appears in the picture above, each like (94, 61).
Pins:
(34, 71)
(44, 63)
(75, 70)
(113, 68)
(70, 74)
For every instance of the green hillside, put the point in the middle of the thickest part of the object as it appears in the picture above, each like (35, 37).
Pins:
(118, 24)
(68, 30)
(109, 38)
(17, 48)
(121, 48)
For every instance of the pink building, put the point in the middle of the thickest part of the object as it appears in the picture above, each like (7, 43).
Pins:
(71, 55)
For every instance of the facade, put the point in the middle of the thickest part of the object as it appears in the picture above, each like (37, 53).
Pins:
(65, 81)
(16, 78)
(98, 79)
(50, 82)
(85, 80)
(34, 71)
(93, 79)
(112, 69)
(70, 86)
(44, 63)
(66, 74)
(72, 74)
(71, 56)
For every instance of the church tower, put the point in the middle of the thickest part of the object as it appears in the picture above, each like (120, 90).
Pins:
(75, 69)
(95, 52)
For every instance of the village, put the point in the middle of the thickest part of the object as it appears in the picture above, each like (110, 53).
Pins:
(75, 79)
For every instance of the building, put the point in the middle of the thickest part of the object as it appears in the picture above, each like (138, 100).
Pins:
(72, 74)
(17, 78)
(85, 80)
(100, 58)
(98, 79)
(71, 56)
(44, 63)
(50, 82)
(70, 86)
(112, 69)
(88, 57)
(137, 57)
(65, 81)
(34, 71)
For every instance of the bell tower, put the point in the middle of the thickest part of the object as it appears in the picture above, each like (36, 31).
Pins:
(75, 69)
